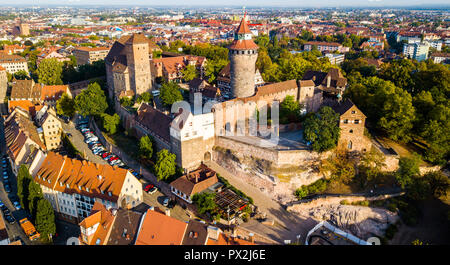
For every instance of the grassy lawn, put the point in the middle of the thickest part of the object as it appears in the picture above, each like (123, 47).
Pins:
(402, 149)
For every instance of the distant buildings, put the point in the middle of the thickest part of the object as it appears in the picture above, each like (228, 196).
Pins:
(439, 57)
(335, 58)
(170, 68)
(13, 63)
(88, 55)
(325, 46)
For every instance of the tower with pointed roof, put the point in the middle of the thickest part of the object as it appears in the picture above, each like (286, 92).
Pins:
(243, 53)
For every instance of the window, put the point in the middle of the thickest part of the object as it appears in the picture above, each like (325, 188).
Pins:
(356, 121)
(345, 121)
(351, 131)
(353, 112)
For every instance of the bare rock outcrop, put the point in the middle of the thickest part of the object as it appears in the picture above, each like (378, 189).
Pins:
(360, 221)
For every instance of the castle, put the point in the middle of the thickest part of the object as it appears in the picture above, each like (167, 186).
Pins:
(192, 136)
(128, 67)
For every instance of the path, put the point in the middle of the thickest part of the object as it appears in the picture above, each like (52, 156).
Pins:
(287, 225)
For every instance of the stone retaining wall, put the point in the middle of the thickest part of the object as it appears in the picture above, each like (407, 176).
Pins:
(320, 202)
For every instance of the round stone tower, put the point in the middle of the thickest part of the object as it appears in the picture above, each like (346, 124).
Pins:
(243, 54)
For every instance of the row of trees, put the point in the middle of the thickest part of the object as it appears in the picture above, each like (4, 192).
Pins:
(32, 200)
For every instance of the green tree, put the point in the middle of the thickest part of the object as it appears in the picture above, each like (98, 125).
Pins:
(408, 170)
(205, 202)
(49, 72)
(23, 181)
(45, 219)
(170, 93)
(289, 110)
(65, 106)
(165, 166)
(110, 122)
(126, 102)
(34, 197)
(321, 129)
(21, 75)
(189, 73)
(91, 101)
(145, 147)
(144, 97)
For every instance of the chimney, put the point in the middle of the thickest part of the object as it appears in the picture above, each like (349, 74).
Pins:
(328, 81)
(167, 212)
(196, 178)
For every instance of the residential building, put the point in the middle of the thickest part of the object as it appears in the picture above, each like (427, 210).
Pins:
(325, 46)
(440, 57)
(335, 58)
(95, 228)
(331, 82)
(171, 68)
(417, 51)
(22, 139)
(73, 186)
(193, 182)
(88, 55)
(109, 226)
(3, 85)
(13, 63)
(157, 228)
(209, 92)
(50, 129)
(51, 53)
(40, 93)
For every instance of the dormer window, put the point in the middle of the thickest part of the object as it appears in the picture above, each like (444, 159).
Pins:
(87, 189)
(109, 193)
(67, 185)
(79, 187)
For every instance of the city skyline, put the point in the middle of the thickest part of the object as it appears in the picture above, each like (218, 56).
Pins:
(249, 3)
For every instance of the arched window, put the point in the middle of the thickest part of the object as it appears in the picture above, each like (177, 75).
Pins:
(350, 145)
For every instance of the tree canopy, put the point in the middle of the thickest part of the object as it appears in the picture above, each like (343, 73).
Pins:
(170, 93)
(165, 166)
(49, 72)
(91, 101)
(321, 129)
(65, 106)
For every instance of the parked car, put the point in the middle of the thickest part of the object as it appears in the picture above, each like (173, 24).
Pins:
(1, 204)
(150, 189)
(105, 155)
(17, 205)
(172, 204)
(5, 176)
(10, 219)
(166, 201)
(69, 134)
(7, 188)
(5, 210)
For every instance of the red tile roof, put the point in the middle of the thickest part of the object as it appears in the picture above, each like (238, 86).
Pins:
(160, 229)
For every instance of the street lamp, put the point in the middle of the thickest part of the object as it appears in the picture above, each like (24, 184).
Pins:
(298, 238)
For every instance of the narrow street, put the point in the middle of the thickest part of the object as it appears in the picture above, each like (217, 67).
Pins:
(286, 225)
(14, 230)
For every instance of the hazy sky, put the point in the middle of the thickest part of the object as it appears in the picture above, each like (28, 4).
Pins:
(299, 3)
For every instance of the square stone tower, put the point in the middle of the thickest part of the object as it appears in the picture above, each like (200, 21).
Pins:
(137, 53)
